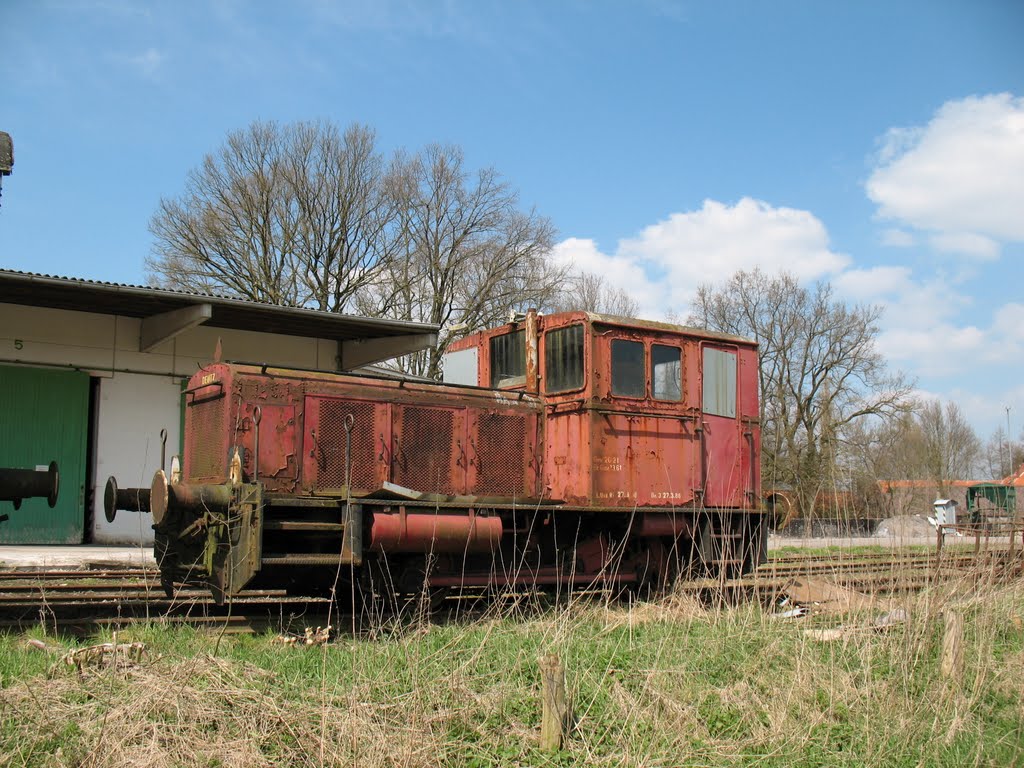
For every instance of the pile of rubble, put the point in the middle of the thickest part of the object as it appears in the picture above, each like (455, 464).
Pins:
(905, 527)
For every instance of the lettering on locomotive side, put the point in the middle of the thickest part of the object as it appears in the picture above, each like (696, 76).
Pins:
(616, 495)
(667, 495)
(210, 378)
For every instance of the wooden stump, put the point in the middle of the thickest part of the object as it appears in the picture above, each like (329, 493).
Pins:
(952, 646)
(554, 710)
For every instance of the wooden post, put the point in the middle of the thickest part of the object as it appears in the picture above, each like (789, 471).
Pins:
(952, 645)
(554, 712)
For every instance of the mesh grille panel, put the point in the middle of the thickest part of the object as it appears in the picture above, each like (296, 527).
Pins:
(330, 464)
(500, 463)
(425, 449)
(205, 451)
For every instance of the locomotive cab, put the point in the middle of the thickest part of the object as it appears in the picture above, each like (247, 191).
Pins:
(636, 413)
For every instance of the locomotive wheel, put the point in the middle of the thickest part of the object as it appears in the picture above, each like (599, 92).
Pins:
(734, 534)
(702, 555)
(414, 586)
(755, 542)
(720, 546)
(399, 584)
(657, 566)
(165, 561)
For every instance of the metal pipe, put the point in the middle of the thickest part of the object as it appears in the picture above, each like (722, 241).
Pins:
(546, 575)
(18, 484)
(166, 499)
(352, 540)
(532, 351)
(125, 499)
(257, 416)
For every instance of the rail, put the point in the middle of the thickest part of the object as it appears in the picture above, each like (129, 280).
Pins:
(89, 599)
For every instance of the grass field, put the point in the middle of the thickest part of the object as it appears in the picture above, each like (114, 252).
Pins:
(667, 683)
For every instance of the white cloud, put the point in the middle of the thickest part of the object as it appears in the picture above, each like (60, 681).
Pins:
(961, 177)
(711, 244)
(926, 339)
(911, 304)
(941, 350)
(898, 238)
(663, 265)
(967, 243)
(871, 285)
(1009, 323)
(618, 271)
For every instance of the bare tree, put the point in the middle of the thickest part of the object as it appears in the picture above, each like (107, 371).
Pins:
(297, 214)
(306, 215)
(352, 222)
(902, 464)
(592, 293)
(950, 448)
(819, 371)
(883, 462)
(1001, 456)
(470, 254)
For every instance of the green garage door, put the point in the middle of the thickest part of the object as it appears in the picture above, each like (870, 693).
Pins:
(44, 417)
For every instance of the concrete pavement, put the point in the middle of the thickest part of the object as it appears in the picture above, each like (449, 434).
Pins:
(83, 556)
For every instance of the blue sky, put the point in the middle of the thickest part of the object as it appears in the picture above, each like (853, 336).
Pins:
(878, 145)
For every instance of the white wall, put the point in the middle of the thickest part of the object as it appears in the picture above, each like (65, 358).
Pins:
(133, 408)
(106, 342)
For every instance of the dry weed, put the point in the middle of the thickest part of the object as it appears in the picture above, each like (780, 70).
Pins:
(203, 711)
(651, 683)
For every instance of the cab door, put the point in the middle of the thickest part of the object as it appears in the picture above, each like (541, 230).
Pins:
(722, 441)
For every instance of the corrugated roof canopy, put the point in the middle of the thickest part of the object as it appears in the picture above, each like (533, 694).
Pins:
(361, 340)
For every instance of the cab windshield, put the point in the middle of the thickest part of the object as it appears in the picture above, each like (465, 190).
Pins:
(563, 359)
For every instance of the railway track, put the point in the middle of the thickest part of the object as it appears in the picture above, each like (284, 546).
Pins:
(85, 599)
(80, 599)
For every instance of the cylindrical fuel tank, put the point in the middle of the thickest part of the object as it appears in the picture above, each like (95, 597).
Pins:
(442, 533)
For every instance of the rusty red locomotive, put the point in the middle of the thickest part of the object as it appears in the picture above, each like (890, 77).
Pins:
(571, 449)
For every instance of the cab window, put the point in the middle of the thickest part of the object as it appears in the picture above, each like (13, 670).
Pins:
(666, 372)
(719, 382)
(508, 360)
(563, 359)
(628, 379)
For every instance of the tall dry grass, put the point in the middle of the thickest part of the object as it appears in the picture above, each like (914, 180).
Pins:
(669, 682)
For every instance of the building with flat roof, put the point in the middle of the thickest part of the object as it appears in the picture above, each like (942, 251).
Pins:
(92, 374)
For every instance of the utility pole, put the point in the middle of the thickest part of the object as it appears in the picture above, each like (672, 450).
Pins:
(6, 156)
(1009, 445)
